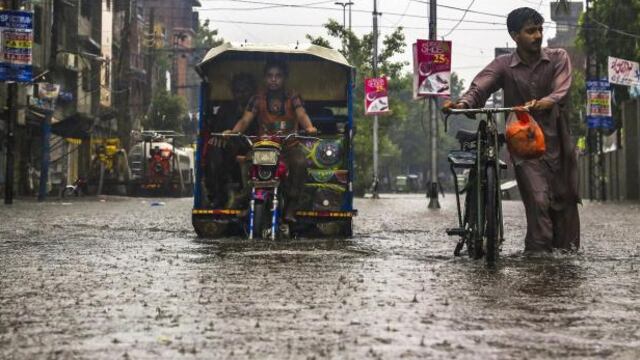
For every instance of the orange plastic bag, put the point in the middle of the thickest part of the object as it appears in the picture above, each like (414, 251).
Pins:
(525, 139)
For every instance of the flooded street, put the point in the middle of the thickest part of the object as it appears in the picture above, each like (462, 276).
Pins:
(122, 279)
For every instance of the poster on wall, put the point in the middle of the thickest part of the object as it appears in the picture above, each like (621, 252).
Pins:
(599, 115)
(623, 72)
(16, 43)
(376, 96)
(432, 68)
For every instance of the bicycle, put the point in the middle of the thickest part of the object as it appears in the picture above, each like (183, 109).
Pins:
(481, 226)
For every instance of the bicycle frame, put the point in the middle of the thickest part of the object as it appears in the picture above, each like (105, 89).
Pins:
(486, 147)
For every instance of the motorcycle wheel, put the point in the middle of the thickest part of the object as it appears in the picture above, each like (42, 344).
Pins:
(258, 219)
(67, 192)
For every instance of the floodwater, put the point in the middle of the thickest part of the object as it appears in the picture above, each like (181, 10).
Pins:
(121, 279)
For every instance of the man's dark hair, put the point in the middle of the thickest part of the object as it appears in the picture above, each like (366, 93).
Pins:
(243, 79)
(519, 17)
(277, 64)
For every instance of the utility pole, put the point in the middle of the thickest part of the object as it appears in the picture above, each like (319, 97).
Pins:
(150, 54)
(12, 107)
(433, 105)
(46, 150)
(597, 184)
(374, 185)
(344, 19)
(350, 3)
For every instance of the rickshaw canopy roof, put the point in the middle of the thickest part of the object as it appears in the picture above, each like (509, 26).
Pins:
(315, 72)
(243, 51)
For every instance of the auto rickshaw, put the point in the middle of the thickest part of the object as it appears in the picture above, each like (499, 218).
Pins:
(325, 81)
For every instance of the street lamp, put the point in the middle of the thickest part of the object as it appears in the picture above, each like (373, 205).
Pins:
(344, 12)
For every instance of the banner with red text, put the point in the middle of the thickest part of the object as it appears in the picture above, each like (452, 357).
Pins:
(432, 68)
(623, 72)
(376, 96)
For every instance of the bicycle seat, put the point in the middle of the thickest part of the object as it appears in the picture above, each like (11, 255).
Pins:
(465, 136)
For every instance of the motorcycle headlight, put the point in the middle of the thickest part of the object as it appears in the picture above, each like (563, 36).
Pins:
(265, 157)
(265, 174)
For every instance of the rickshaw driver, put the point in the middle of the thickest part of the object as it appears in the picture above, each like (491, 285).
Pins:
(281, 111)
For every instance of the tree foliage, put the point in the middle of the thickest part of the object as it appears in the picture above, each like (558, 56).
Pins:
(403, 135)
(359, 53)
(206, 38)
(603, 37)
(167, 111)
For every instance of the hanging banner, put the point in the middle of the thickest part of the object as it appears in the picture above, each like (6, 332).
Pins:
(599, 115)
(432, 68)
(16, 43)
(624, 72)
(376, 96)
(48, 91)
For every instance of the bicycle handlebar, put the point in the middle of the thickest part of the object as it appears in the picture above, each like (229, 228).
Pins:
(486, 110)
(449, 112)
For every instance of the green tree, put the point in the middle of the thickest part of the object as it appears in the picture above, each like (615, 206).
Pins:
(206, 38)
(411, 134)
(604, 37)
(167, 111)
(359, 53)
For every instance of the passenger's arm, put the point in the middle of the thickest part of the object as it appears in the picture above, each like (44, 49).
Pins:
(304, 121)
(244, 122)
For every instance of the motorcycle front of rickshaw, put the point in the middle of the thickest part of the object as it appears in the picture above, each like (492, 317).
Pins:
(242, 184)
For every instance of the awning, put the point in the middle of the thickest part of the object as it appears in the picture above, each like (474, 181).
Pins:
(78, 126)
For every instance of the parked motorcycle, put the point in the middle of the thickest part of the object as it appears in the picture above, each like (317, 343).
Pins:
(267, 173)
(78, 188)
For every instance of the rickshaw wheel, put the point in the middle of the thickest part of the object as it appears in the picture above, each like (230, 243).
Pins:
(210, 229)
(335, 228)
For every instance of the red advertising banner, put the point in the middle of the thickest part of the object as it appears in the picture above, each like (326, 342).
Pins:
(432, 68)
(376, 96)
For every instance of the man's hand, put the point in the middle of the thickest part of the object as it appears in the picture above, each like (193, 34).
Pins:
(311, 130)
(539, 105)
(448, 105)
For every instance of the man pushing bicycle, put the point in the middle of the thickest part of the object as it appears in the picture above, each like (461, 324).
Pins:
(540, 79)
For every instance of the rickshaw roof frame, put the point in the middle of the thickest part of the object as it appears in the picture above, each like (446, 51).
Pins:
(303, 50)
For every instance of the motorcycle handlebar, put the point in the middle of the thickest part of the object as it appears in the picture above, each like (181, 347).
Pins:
(287, 137)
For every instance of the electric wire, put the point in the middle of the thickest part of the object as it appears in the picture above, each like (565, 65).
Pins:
(461, 19)
(600, 24)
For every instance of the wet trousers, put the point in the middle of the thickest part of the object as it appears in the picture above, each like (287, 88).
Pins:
(297, 165)
(552, 222)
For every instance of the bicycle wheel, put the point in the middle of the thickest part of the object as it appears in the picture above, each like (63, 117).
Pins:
(491, 243)
(473, 236)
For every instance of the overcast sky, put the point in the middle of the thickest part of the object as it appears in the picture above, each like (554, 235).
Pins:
(473, 41)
